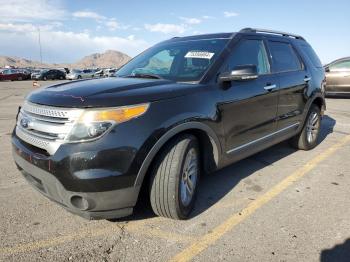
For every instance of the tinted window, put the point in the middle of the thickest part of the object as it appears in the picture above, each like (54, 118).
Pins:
(176, 60)
(311, 54)
(163, 60)
(341, 66)
(250, 52)
(284, 57)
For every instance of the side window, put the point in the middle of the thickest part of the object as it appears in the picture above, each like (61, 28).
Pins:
(160, 63)
(284, 57)
(250, 52)
(311, 54)
(340, 66)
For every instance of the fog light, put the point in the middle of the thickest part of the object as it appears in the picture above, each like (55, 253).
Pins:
(79, 202)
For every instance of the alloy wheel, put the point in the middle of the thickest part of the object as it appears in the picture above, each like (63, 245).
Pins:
(189, 177)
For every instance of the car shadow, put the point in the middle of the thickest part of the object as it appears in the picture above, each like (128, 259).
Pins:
(339, 253)
(327, 127)
(214, 187)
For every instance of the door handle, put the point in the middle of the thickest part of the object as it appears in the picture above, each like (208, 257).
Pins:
(269, 87)
(307, 79)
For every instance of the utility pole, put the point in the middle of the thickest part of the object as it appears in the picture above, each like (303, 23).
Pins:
(41, 55)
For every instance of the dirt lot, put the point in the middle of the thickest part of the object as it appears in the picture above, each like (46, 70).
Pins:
(278, 205)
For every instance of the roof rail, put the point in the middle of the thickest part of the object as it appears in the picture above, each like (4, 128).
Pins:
(258, 30)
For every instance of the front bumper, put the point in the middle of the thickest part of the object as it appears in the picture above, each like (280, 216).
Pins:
(90, 205)
(70, 77)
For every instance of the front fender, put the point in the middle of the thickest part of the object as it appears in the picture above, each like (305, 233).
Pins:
(217, 149)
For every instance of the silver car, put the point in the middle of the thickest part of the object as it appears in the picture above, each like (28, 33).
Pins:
(80, 74)
(338, 76)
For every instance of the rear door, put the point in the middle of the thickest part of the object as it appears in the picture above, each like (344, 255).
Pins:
(338, 76)
(293, 82)
(249, 107)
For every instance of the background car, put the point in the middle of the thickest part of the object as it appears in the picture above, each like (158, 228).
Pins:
(112, 72)
(49, 74)
(99, 73)
(12, 74)
(338, 76)
(80, 74)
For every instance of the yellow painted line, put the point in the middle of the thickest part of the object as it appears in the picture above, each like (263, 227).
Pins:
(87, 233)
(138, 228)
(170, 236)
(209, 239)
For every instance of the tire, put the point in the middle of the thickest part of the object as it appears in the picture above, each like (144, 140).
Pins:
(307, 139)
(44, 78)
(61, 77)
(167, 185)
(79, 77)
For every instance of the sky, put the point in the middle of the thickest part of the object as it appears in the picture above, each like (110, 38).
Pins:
(70, 30)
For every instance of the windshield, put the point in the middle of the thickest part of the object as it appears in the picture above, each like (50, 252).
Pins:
(178, 61)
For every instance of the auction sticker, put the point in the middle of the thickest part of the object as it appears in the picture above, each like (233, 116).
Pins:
(199, 54)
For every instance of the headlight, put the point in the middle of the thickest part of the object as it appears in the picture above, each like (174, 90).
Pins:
(93, 124)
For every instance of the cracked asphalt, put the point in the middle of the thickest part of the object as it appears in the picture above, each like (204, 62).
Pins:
(278, 205)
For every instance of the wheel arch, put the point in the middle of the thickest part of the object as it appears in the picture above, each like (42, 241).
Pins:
(209, 144)
(316, 99)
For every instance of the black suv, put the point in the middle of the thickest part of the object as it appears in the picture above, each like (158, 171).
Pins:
(185, 106)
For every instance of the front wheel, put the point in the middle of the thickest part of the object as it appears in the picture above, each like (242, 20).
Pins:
(175, 178)
(308, 137)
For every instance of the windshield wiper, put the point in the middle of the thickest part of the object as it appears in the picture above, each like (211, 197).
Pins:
(152, 76)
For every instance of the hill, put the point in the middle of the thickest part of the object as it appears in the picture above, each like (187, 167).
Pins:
(110, 58)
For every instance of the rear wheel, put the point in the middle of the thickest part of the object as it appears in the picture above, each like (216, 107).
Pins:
(79, 77)
(175, 177)
(44, 78)
(308, 137)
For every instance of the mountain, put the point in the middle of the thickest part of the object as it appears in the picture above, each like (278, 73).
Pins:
(20, 62)
(110, 58)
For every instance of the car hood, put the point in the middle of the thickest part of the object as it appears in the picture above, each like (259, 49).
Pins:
(109, 92)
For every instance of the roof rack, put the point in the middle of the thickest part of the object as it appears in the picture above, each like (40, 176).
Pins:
(258, 30)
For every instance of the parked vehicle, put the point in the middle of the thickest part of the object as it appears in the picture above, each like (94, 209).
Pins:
(112, 72)
(99, 73)
(80, 74)
(183, 107)
(35, 73)
(49, 74)
(338, 77)
(12, 75)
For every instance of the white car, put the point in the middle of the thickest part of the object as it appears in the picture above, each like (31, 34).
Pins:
(112, 72)
(80, 74)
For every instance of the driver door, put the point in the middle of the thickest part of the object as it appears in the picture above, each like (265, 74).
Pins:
(249, 108)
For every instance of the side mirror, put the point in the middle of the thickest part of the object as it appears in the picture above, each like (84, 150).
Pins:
(240, 73)
(326, 69)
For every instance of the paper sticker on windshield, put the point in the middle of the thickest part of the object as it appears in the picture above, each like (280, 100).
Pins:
(199, 54)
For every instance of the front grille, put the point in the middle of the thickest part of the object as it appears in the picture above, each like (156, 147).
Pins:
(45, 127)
